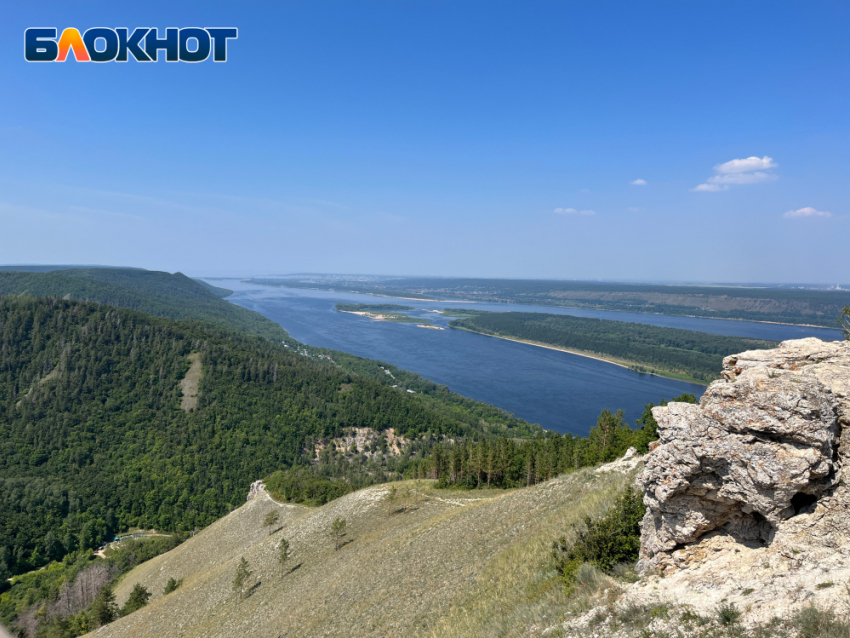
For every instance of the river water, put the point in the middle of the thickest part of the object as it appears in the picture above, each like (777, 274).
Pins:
(558, 390)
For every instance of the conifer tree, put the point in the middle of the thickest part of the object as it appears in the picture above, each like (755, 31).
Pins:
(243, 573)
(284, 552)
(391, 497)
(337, 531)
(271, 518)
(139, 597)
(103, 609)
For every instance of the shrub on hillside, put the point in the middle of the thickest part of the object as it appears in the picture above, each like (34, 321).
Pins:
(606, 542)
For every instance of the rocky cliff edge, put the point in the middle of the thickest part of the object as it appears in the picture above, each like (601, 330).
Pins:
(745, 492)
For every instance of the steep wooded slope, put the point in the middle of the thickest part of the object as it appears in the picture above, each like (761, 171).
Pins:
(93, 438)
(156, 293)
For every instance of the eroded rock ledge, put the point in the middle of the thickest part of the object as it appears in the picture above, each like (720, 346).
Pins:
(757, 463)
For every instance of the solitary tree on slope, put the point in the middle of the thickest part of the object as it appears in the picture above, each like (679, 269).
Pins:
(271, 519)
(337, 531)
(391, 497)
(844, 321)
(284, 552)
(243, 573)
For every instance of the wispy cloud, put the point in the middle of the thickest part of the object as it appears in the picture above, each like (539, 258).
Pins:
(751, 170)
(638, 182)
(573, 211)
(808, 211)
(746, 165)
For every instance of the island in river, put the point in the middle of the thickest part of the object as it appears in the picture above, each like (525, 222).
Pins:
(381, 312)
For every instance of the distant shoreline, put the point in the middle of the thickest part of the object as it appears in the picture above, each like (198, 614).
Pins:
(588, 355)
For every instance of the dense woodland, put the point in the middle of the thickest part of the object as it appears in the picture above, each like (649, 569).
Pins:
(93, 440)
(154, 293)
(504, 462)
(697, 355)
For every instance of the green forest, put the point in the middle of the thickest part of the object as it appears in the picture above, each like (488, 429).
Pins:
(697, 356)
(504, 463)
(93, 439)
(155, 293)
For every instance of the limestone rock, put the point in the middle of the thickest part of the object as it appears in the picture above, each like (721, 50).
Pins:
(759, 460)
(257, 488)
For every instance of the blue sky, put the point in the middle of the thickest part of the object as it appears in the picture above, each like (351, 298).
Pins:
(440, 138)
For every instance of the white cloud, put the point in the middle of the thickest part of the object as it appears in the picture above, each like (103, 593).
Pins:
(746, 165)
(573, 211)
(750, 170)
(808, 211)
(638, 182)
(709, 188)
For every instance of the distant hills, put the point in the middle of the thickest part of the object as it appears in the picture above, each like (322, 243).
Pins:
(782, 304)
(161, 294)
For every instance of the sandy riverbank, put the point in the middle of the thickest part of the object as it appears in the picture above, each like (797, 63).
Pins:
(589, 355)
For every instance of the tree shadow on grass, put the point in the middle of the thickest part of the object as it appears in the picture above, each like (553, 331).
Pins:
(298, 566)
(252, 589)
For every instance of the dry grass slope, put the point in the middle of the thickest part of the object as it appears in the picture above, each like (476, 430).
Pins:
(189, 384)
(439, 563)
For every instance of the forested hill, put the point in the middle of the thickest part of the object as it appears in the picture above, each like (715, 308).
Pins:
(156, 293)
(93, 438)
(667, 351)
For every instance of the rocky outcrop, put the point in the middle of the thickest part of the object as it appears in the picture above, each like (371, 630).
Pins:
(757, 463)
(257, 488)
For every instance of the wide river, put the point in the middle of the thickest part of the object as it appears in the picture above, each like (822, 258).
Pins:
(558, 390)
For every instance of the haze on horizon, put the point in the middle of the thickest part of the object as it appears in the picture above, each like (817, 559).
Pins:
(662, 141)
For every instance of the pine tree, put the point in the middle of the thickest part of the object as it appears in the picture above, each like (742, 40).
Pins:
(271, 518)
(337, 531)
(243, 573)
(103, 609)
(391, 497)
(139, 597)
(284, 552)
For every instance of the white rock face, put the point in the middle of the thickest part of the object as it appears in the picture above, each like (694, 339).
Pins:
(757, 463)
(257, 488)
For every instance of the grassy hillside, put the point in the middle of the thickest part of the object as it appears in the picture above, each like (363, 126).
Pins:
(156, 293)
(93, 438)
(436, 563)
(681, 354)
